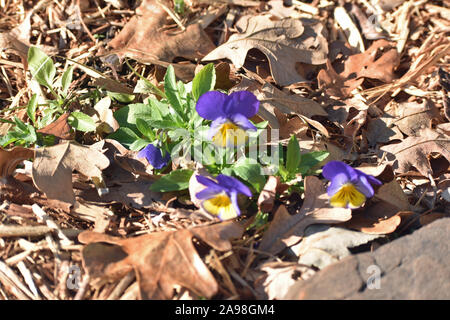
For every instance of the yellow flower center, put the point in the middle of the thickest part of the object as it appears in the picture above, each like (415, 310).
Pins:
(347, 195)
(229, 134)
(220, 206)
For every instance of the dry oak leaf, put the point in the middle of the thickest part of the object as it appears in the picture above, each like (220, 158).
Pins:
(323, 245)
(284, 42)
(53, 166)
(412, 117)
(60, 128)
(280, 276)
(161, 260)
(414, 151)
(142, 38)
(286, 230)
(9, 159)
(377, 62)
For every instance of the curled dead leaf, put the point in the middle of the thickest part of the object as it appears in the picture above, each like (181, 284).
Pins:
(266, 198)
(378, 62)
(9, 159)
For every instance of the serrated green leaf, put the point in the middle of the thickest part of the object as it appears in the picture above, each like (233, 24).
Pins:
(293, 155)
(81, 122)
(41, 67)
(204, 81)
(174, 181)
(66, 80)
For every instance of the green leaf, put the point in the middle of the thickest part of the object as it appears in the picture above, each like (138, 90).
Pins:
(293, 155)
(145, 86)
(139, 144)
(81, 122)
(174, 181)
(171, 90)
(164, 124)
(126, 116)
(66, 80)
(121, 97)
(31, 108)
(204, 81)
(160, 109)
(41, 67)
(179, 6)
(144, 127)
(250, 173)
(125, 136)
(284, 174)
(311, 159)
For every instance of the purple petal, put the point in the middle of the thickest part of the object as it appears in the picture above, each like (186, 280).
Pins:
(336, 183)
(154, 156)
(364, 186)
(333, 168)
(243, 102)
(242, 122)
(215, 127)
(371, 179)
(233, 184)
(208, 182)
(234, 201)
(207, 193)
(211, 105)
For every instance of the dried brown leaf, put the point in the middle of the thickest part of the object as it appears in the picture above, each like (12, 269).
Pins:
(143, 39)
(377, 62)
(412, 117)
(266, 198)
(160, 260)
(59, 128)
(414, 151)
(9, 159)
(284, 42)
(286, 230)
(53, 166)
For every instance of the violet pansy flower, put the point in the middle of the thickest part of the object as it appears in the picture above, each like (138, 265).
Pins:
(220, 198)
(154, 156)
(349, 187)
(229, 115)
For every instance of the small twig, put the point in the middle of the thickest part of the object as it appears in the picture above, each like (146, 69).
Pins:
(83, 24)
(83, 287)
(50, 223)
(7, 272)
(28, 279)
(122, 286)
(33, 231)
